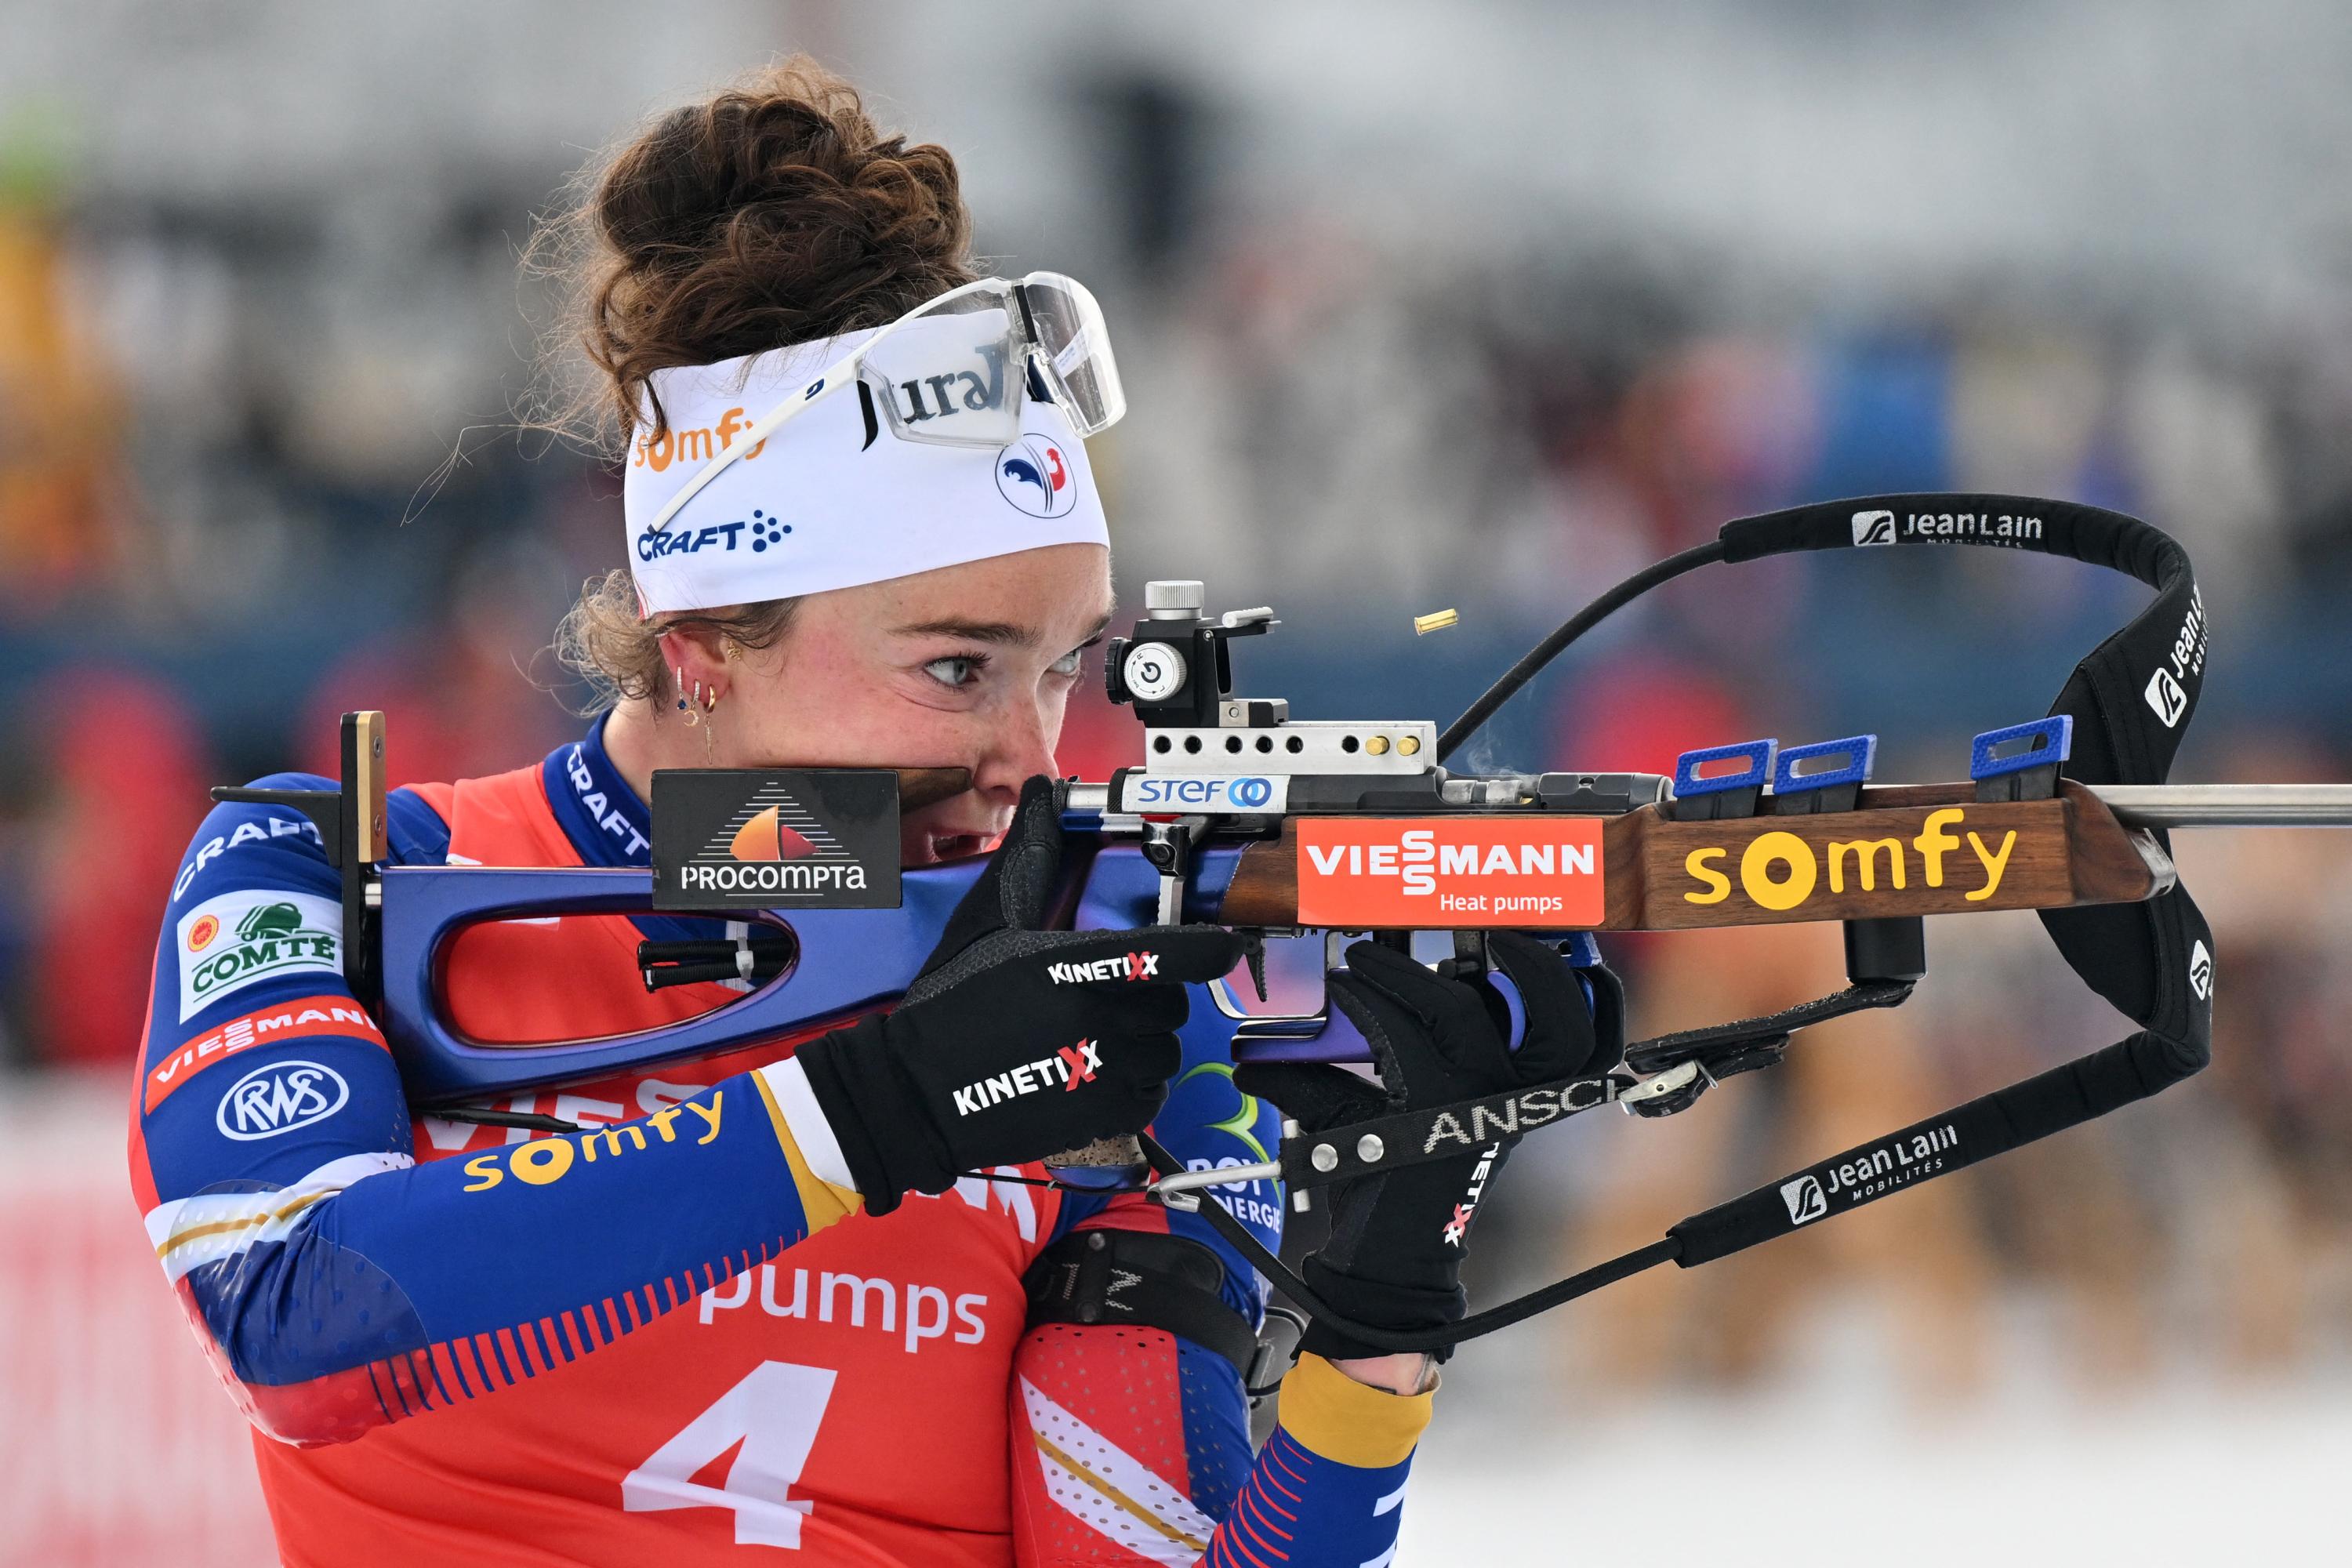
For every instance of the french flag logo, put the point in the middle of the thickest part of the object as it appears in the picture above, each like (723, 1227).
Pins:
(1035, 476)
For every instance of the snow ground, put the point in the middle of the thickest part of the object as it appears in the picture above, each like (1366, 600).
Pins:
(1833, 1467)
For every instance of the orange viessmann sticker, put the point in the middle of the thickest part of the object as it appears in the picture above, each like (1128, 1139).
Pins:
(1360, 872)
(296, 1020)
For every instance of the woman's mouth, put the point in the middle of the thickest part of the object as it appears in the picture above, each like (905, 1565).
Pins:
(950, 830)
(955, 846)
(927, 844)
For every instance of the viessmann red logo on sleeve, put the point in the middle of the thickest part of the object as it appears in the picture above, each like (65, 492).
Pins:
(300, 1019)
(1357, 873)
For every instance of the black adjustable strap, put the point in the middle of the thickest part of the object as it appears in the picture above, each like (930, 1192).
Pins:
(1142, 1280)
(1727, 1048)
(2131, 699)
(1439, 1131)
(2066, 1095)
(1447, 1131)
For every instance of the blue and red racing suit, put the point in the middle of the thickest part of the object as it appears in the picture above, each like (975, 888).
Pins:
(662, 1338)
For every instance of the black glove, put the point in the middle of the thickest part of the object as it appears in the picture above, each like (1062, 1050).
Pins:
(1394, 1257)
(1013, 1042)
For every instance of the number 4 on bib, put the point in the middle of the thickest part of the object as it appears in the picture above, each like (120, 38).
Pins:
(774, 1413)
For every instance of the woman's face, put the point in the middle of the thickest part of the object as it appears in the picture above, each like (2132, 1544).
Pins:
(966, 666)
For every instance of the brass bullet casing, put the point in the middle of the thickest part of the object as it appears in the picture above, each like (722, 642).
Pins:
(1435, 621)
(1377, 746)
(1408, 745)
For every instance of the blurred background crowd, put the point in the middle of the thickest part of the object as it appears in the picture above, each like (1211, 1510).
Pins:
(1479, 307)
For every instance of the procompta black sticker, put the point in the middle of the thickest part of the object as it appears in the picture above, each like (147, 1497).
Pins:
(816, 838)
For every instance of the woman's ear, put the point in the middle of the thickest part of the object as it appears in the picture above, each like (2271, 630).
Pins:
(700, 670)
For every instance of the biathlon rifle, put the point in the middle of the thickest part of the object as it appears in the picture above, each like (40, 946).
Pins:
(1240, 816)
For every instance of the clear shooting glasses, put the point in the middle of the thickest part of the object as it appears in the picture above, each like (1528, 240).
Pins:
(956, 369)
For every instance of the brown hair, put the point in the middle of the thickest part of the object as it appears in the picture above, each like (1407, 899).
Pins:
(774, 213)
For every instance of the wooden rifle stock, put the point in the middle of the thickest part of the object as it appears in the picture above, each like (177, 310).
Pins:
(1909, 849)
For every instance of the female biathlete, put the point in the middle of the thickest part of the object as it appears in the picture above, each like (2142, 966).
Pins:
(775, 1301)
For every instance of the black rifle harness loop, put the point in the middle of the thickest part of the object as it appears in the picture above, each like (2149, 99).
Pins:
(2131, 699)
(1145, 1280)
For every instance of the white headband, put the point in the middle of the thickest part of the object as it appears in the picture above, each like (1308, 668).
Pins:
(826, 504)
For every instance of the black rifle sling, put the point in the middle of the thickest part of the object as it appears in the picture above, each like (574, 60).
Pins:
(2131, 699)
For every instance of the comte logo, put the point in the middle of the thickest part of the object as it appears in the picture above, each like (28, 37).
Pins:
(1873, 528)
(2201, 970)
(241, 939)
(1804, 1199)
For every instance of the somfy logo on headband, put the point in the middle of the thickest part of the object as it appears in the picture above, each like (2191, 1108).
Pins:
(1036, 478)
(698, 444)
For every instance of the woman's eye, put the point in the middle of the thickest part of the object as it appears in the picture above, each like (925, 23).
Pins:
(1068, 663)
(954, 671)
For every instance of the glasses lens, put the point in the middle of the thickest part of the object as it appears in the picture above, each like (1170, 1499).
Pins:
(951, 374)
(1075, 347)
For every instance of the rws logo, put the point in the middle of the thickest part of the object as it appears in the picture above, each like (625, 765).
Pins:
(280, 1097)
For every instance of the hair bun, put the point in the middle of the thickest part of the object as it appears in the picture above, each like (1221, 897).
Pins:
(774, 213)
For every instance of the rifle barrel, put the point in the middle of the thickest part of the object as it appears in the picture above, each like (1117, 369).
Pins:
(2229, 805)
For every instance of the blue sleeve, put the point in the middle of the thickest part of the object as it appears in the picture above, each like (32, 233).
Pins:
(339, 1285)
(1302, 1510)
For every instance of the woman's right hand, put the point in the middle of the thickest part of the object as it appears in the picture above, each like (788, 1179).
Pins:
(1394, 1257)
(1013, 1042)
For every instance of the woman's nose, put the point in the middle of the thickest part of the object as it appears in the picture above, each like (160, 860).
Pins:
(1018, 749)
